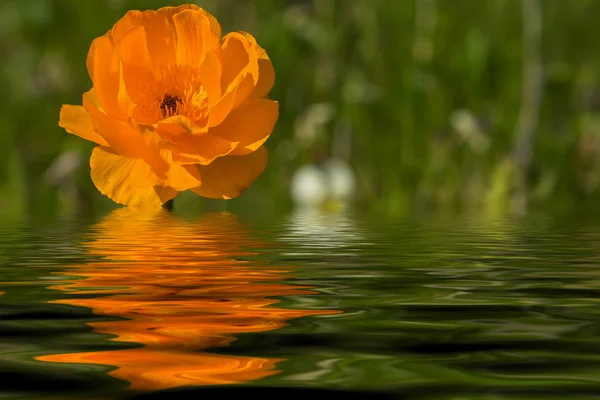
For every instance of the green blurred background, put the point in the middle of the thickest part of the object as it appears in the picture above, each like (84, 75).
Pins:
(436, 105)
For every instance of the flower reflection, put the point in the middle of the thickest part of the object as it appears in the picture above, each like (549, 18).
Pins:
(177, 288)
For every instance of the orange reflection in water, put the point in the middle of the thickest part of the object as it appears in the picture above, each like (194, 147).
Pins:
(181, 289)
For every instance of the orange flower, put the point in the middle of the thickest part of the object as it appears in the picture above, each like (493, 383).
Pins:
(174, 107)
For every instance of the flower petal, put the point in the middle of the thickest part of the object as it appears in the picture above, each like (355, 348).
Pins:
(179, 125)
(75, 120)
(140, 87)
(227, 177)
(197, 33)
(188, 25)
(235, 58)
(159, 32)
(266, 73)
(210, 73)
(105, 62)
(106, 81)
(222, 108)
(132, 48)
(130, 52)
(201, 149)
(251, 125)
(124, 180)
(183, 177)
(213, 28)
(240, 66)
(122, 137)
(245, 89)
(169, 11)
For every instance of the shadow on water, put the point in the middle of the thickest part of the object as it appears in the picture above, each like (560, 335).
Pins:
(144, 306)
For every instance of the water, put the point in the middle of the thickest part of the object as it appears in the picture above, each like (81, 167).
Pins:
(142, 306)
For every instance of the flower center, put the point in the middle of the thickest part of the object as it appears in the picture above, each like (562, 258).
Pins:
(169, 105)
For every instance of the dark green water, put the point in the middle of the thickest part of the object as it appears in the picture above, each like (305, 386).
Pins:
(156, 306)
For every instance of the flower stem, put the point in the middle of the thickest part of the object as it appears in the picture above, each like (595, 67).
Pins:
(168, 205)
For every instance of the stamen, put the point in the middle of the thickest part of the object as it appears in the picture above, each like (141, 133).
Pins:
(169, 105)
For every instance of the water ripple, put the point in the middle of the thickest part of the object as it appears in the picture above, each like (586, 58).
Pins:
(437, 309)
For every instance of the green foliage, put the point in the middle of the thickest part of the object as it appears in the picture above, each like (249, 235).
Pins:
(422, 97)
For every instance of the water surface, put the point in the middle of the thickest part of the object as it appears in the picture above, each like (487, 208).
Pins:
(138, 305)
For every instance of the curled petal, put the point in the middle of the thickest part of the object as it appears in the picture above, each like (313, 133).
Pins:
(266, 75)
(227, 177)
(239, 77)
(77, 121)
(266, 72)
(237, 55)
(250, 125)
(240, 67)
(127, 181)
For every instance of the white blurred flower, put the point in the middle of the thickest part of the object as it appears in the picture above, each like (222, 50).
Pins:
(314, 186)
(309, 186)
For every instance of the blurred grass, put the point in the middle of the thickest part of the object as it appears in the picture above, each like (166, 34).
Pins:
(421, 97)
